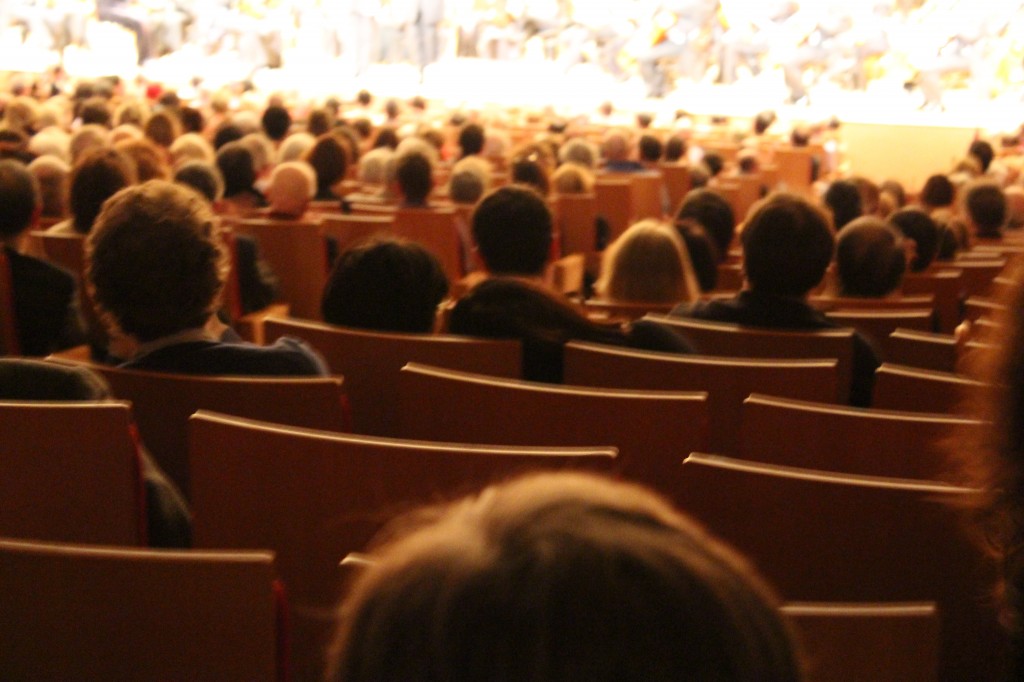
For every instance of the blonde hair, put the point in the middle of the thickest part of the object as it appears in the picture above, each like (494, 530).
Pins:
(572, 178)
(648, 263)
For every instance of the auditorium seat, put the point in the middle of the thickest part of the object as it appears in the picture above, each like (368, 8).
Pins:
(818, 536)
(877, 325)
(70, 472)
(370, 362)
(727, 381)
(600, 309)
(73, 612)
(163, 402)
(313, 497)
(437, 231)
(736, 341)
(849, 440)
(614, 203)
(649, 428)
(922, 349)
(945, 286)
(576, 222)
(882, 642)
(898, 387)
(347, 230)
(676, 179)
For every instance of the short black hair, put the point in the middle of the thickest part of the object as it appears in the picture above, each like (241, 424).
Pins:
(471, 139)
(985, 203)
(227, 132)
(512, 228)
(99, 174)
(276, 122)
(385, 285)
(19, 196)
(787, 245)
(938, 190)
(869, 258)
(415, 178)
(675, 148)
(713, 212)
(236, 165)
(983, 152)
(650, 148)
(843, 198)
(203, 177)
(918, 225)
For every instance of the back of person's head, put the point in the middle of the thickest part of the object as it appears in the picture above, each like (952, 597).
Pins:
(203, 177)
(763, 121)
(844, 201)
(385, 285)
(648, 263)
(149, 160)
(162, 128)
(563, 576)
(236, 166)
(702, 250)
(985, 206)
(53, 176)
(938, 191)
(870, 195)
(787, 246)
(276, 121)
(983, 152)
(471, 139)
(99, 175)
(510, 308)
(415, 177)
(292, 185)
(512, 229)
(747, 162)
(615, 145)
(470, 179)
(95, 111)
(191, 147)
(714, 162)
(869, 258)
(33, 379)
(19, 197)
(364, 97)
(675, 149)
(85, 139)
(917, 225)
(579, 151)
(713, 212)
(530, 171)
(155, 262)
(571, 178)
(295, 146)
(227, 132)
(387, 136)
(373, 166)
(651, 148)
(330, 161)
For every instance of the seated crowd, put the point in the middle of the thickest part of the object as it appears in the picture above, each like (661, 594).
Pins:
(153, 188)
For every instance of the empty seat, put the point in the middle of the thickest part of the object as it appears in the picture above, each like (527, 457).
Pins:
(920, 390)
(313, 497)
(72, 612)
(922, 349)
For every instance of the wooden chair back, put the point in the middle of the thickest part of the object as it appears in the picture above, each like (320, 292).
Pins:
(727, 381)
(921, 390)
(676, 179)
(794, 166)
(978, 275)
(828, 537)
(347, 230)
(9, 344)
(105, 613)
(849, 440)
(313, 497)
(576, 222)
(922, 349)
(730, 277)
(370, 362)
(436, 230)
(598, 309)
(295, 251)
(649, 428)
(830, 303)
(735, 341)
(647, 195)
(945, 286)
(885, 642)
(163, 402)
(977, 307)
(877, 325)
(614, 203)
(70, 472)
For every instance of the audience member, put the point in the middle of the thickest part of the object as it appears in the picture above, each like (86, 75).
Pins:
(44, 296)
(470, 180)
(235, 162)
(330, 162)
(512, 231)
(558, 577)
(917, 226)
(292, 186)
(787, 246)
(615, 150)
(843, 200)
(415, 179)
(53, 176)
(648, 263)
(156, 268)
(702, 250)
(713, 212)
(385, 285)
(99, 175)
(870, 258)
(984, 209)
(150, 161)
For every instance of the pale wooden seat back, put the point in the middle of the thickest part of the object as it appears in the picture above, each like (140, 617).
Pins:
(922, 349)
(921, 390)
(945, 286)
(827, 537)
(978, 275)
(296, 253)
(614, 203)
(104, 613)
(735, 341)
(849, 440)
(676, 179)
(313, 497)
(917, 302)
(877, 325)
(727, 381)
(70, 472)
(576, 221)
(649, 428)
(883, 642)
(348, 230)
(977, 307)
(598, 308)
(163, 402)
(436, 230)
(647, 196)
(794, 167)
(370, 362)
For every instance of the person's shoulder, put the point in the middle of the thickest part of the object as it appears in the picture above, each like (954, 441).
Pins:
(297, 352)
(651, 335)
(712, 309)
(26, 266)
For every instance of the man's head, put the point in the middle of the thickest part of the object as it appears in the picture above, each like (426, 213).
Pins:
(787, 246)
(19, 199)
(870, 258)
(512, 228)
(155, 262)
(915, 224)
(292, 185)
(276, 122)
(415, 177)
(985, 208)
